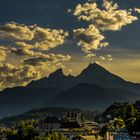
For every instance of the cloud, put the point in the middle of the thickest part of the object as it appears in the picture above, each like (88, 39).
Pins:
(109, 57)
(89, 39)
(90, 55)
(110, 17)
(40, 38)
(24, 45)
(102, 58)
(106, 58)
(15, 31)
(32, 69)
(22, 52)
(47, 38)
(12, 76)
(30, 45)
(2, 54)
(50, 58)
(137, 10)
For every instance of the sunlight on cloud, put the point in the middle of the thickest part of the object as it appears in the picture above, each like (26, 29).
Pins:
(90, 55)
(40, 38)
(14, 31)
(2, 54)
(106, 58)
(108, 18)
(137, 10)
(30, 44)
(89, 39)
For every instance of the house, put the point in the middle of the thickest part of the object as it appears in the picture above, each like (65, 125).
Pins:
(87, 137)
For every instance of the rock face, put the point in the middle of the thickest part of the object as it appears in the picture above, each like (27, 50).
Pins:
(93, 88)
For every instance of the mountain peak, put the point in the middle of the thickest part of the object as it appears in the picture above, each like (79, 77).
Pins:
(57, 73)
(94, 65)
(91, 68)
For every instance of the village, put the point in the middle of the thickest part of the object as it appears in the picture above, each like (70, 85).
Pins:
(71, 127)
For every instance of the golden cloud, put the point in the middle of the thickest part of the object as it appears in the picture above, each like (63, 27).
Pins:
(15, 31)
(40, 38)
(30, 45)
(32, 69)
(2, 54)
(89, 39)
(111, 17)
(137, 10)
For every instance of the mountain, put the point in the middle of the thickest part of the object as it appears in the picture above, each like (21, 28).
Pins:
(21, 99)
(56, 79)
(90, 96)
(93, 88)
(94, 74)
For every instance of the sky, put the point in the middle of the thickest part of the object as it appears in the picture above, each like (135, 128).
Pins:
(39, 36)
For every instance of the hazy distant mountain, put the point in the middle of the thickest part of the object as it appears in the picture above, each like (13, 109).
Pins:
(93, 88)
(18, 100)
(93, 97)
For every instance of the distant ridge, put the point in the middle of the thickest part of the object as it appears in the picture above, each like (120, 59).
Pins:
(56, 89)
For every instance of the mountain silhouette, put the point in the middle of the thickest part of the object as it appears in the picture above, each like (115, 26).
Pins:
(93, 88)
(94, 74)
(56, 79)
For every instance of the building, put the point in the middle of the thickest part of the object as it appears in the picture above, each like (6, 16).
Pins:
(72, 116)
(87, 137)
(70, 120)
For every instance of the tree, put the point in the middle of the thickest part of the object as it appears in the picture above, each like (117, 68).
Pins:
(104, 130)
(51, 136)
(118, 123)
(130, 111)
